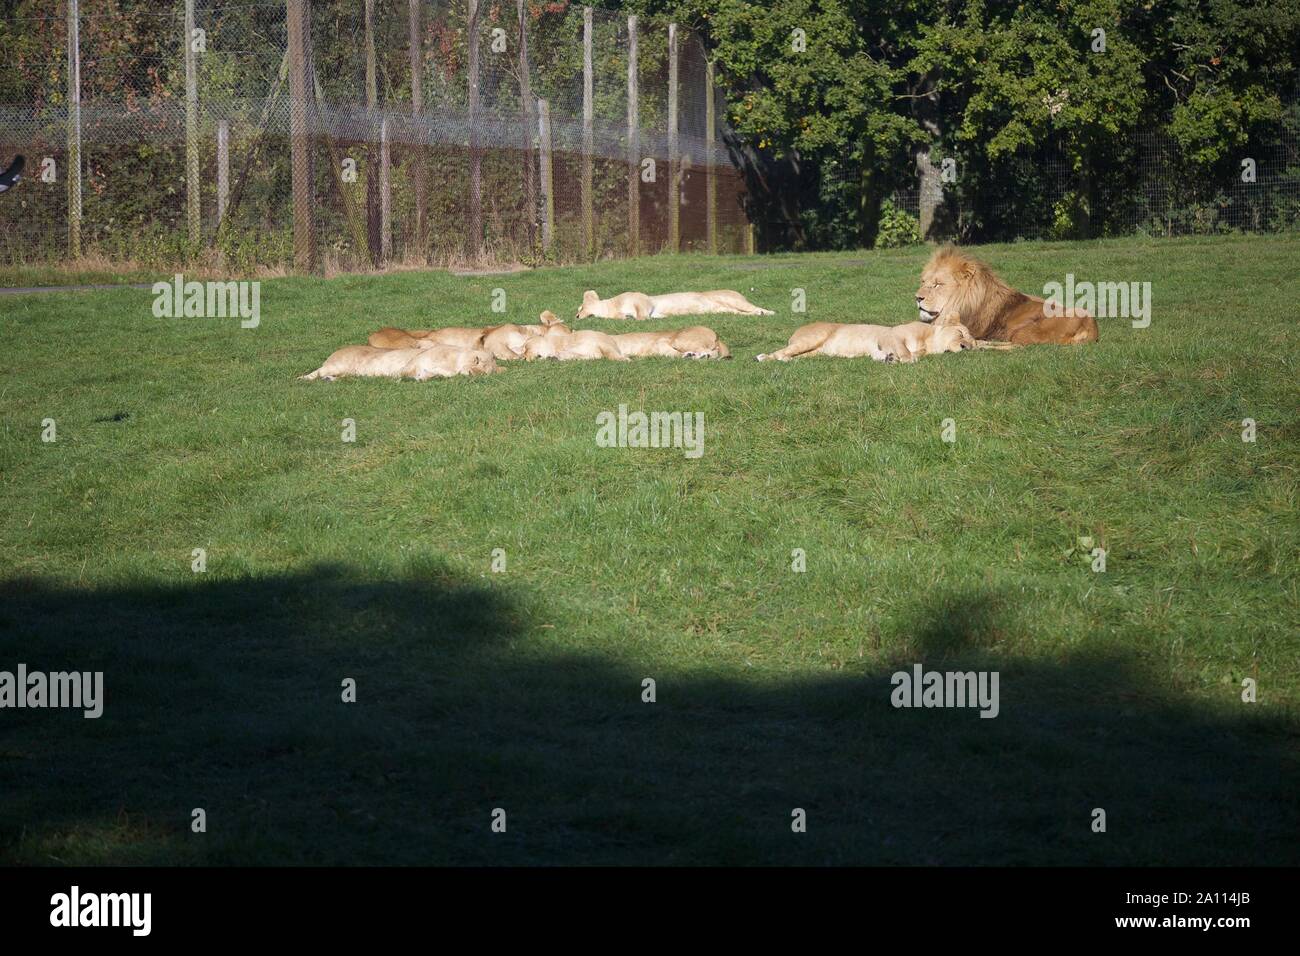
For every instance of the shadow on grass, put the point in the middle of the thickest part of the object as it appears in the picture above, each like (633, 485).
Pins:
(226, 696)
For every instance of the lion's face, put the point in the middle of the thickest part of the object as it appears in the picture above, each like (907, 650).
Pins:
(482, 363)
(952, 338)
(589, 300)
(938, 287)
(539, 347)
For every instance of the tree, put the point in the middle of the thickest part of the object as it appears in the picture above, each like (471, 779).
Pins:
(1012, 77)
(1218, 70)
(812, 105)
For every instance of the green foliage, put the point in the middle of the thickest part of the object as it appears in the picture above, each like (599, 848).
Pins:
(819, 93)
(808, 87)
(1013, 76)
(898, 227)
(1000, 83)
(1212, 126)
(1222, 67)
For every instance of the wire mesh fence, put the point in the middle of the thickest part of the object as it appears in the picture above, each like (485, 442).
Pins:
(1147, 186)
(433, 131)
(1143, 184)
(445, 131)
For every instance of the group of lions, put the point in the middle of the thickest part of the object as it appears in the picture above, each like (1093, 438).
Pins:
(962, 304)
(442, 353)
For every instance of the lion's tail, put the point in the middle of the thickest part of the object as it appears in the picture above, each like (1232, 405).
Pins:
(999, 346)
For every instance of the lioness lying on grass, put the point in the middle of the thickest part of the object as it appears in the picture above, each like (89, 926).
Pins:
(694, 342)
(503, 341)
(638, 305)
(884, 343)
(508, 341)
(436, 361)
(391, 338)
(573, 346)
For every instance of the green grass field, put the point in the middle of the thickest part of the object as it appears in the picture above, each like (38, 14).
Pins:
(522, 690)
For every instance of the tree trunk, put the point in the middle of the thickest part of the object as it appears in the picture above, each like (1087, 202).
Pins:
(870, 197)
(935, 223)
(930, 187)
(1084, 189)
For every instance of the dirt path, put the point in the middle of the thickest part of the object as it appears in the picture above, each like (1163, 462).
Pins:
(23, 290)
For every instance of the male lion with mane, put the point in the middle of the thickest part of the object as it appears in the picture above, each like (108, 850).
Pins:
(954, 284)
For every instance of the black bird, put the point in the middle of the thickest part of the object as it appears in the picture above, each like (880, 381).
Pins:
(9, 178)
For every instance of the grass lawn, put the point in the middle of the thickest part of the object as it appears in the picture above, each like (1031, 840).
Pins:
(522, 690)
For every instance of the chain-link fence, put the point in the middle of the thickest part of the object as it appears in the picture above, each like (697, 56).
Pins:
(1142, 184)
(183, 142)
(1146, 186)
(163, 133)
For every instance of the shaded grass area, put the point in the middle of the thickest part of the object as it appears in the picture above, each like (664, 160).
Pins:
(226, 696)
(522, 690)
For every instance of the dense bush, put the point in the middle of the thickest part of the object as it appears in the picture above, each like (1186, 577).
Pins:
(898, 227)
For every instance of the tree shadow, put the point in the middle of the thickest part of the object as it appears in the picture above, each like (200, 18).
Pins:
(226, 695)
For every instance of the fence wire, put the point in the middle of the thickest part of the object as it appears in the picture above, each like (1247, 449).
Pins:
(450, 180)
(135, 192)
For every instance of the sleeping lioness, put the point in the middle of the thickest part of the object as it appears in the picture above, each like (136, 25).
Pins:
(508, 341)
(391, 338)
(573, 346)
(437, 361)
(503, 341)
(884, 343)
(954, 282)
(461, 338)
(695, 342)
(638, 305)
